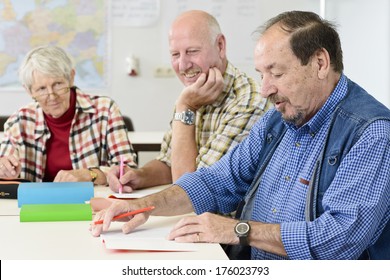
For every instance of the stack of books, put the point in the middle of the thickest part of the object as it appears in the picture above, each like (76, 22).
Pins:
(55, 201)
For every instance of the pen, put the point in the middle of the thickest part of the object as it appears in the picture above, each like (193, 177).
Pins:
(131, 213)
(121, 167)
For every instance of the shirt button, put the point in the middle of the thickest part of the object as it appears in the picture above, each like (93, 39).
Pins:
(274, 210)
(287, 178)
(297, 144)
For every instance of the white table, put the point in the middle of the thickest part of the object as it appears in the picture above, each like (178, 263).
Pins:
(72, 240)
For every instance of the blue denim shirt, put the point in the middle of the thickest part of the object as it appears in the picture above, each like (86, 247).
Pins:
(353, 206)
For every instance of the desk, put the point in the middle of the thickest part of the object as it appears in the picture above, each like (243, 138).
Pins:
(149, 141)
(73, 241)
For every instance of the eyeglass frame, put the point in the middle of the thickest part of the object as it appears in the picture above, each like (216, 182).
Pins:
(45, 96)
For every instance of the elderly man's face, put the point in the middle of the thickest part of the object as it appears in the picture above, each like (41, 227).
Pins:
(193, 51)
(295, 89)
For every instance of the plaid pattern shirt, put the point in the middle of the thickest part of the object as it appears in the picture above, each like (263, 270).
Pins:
(98, 136)
(225, 123)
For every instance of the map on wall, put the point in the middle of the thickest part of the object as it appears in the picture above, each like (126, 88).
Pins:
(78, 26)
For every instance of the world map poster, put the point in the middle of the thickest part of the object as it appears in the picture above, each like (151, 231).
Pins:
(78, 26)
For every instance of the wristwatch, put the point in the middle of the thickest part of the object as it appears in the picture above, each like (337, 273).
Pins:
(187, 117)
(93, 174)
(242, 229)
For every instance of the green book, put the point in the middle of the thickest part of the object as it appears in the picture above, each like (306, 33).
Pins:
(55, 212)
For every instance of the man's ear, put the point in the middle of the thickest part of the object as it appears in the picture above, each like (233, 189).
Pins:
(221, 41)
(322, 61)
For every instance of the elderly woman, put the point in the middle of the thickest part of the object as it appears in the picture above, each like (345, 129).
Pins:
(65, 134)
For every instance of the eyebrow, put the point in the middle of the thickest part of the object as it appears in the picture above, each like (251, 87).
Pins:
(268, 67)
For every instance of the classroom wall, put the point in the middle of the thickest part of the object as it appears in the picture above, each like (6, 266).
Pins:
(364, 28)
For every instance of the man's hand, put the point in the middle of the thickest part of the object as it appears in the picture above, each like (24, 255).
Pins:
(119, 207)
(130, 179)
(207, 227)
(203, 92)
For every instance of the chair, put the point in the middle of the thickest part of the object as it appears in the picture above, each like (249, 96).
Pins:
(3, 119)
(128, 123)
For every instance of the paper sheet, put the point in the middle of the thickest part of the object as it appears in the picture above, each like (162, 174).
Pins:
(150, 237)
(139, 193)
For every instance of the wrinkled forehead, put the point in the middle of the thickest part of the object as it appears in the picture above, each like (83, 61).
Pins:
(273, 49)
(273, 40)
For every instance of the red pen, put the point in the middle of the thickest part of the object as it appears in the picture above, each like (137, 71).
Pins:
(131, 213)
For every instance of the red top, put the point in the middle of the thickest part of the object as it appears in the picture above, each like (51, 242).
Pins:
(57, 147)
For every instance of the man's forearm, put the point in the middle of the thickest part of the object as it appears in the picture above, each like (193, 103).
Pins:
(184, 149)
(155, 173)
(170, 202)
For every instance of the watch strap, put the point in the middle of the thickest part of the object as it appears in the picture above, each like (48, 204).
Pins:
(244, 240)
(187, 117)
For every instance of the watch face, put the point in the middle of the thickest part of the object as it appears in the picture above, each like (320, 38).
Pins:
(242, 228)
(189, 117)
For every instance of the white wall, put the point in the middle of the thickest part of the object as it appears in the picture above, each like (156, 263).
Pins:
(365, 34)
(364, 28)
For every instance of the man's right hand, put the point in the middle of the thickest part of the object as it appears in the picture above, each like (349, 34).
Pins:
(117, 207)
(131, 179)
(203, 92)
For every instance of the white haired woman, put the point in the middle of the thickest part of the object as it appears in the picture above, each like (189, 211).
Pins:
(65, 134)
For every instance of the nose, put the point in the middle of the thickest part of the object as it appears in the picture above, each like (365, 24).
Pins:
(184, 63)
(267, 87)
(51, 94)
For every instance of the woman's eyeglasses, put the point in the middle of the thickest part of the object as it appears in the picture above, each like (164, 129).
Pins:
(56, 93)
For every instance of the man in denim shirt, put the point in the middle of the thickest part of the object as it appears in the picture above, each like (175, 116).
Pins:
(312, 179)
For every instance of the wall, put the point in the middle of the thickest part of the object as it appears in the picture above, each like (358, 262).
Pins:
(365, 34)
(149, 100)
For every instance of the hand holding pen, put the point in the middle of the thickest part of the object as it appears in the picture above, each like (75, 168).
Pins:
(127, 214)
(125, 178)
(119, 210)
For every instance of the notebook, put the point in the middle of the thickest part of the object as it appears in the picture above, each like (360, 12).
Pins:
(55, 212)
(9, 187)
(54, 193)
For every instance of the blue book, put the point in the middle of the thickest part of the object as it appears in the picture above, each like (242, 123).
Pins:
(54, 193)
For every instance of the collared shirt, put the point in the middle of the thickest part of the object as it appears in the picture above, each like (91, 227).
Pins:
(225, 123)
(98, 136)
(359, 190)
